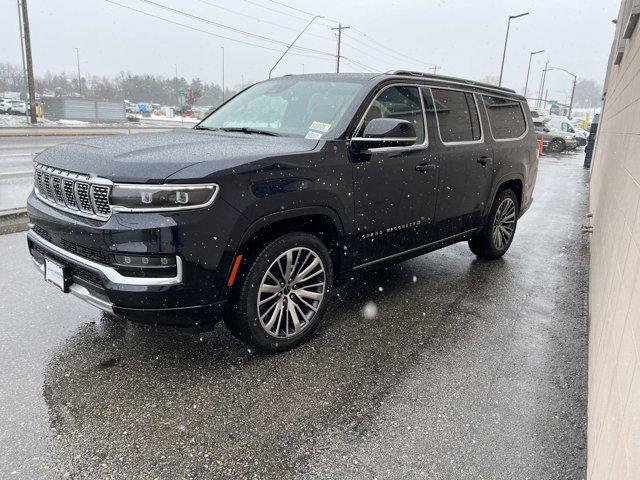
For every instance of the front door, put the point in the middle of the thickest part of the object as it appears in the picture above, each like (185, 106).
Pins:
(395, 188)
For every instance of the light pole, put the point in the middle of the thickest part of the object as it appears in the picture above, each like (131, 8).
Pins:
(506, 39)
(573, 87)
(543, 78)
(526, 83)
(294, 41)
(79, 77)
(222, 74)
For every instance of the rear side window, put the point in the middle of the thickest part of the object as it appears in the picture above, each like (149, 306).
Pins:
(457, 114)
(505, 117)
(398, 102)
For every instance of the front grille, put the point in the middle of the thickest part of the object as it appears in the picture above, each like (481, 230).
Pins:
(80, 250)
(73, 192)
(90, 253)
(42, 232)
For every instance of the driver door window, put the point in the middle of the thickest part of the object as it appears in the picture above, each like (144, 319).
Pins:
(402, 103)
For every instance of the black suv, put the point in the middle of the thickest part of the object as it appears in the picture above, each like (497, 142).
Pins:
(258, 212)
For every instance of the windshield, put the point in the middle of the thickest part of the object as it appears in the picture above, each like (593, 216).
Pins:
(287, 106)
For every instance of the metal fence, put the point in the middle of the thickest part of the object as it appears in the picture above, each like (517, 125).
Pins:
(84, 110)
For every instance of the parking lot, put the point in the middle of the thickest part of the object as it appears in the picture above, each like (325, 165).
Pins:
(468, 370)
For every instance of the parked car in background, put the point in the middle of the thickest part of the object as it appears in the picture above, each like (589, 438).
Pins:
(17, 107)
(562, 123)
(5, 103)
(184, 111)
(283, 192)
(538, 114)
(554, 140)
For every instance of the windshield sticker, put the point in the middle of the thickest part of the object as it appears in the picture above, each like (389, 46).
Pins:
(313, 135)
(320, 127)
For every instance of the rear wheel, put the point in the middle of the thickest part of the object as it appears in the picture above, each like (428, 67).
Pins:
(497, 234)
(284, 295)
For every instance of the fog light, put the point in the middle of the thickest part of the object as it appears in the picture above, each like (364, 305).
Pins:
(145, 260)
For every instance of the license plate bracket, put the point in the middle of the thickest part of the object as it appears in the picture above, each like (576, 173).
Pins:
(57, 274)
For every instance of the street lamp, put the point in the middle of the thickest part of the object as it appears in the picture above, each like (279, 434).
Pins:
(222, 74)
(543, 79)
(506, 39)
(291, 44)
(573, 87)
(526, 83)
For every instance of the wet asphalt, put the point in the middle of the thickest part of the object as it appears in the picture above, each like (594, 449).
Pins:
(469, 370)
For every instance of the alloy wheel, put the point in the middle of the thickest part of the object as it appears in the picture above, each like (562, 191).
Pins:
(291, 292)
(504, 223)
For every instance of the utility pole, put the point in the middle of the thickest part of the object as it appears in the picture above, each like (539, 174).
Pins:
(79, 77)
(573, 86)
(339, 28)
(222, 74)
(573, 91)
(436, 68)
(506, 39)
(24, 64)
(175, 84)
(27, 48)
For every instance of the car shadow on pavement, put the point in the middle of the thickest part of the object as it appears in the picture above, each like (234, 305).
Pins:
(145, 399)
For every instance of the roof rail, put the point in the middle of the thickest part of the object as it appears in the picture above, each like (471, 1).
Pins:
(445, 78)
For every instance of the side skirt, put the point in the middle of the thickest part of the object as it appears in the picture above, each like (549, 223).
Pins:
(417, 251)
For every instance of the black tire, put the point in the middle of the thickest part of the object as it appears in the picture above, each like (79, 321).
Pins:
(556, 145)
(243, 320)
(485, 245)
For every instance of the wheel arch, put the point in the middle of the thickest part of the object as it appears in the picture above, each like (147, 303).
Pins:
(324, 222)
(514, 182)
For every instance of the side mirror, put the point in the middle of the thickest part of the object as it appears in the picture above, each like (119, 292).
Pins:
(387, 132)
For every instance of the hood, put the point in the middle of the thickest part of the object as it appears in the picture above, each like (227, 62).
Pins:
(152, 157)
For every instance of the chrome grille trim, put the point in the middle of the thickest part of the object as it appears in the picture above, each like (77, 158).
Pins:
(73, 192)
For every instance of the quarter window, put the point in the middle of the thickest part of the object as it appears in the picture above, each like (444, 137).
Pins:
(401, 103)
(505, 117)
(457, 114)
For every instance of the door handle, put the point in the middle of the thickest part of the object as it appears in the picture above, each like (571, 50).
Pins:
(425, 167)
(483, 160)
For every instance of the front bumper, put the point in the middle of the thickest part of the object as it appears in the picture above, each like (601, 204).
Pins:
(84, 285)
(193, 294)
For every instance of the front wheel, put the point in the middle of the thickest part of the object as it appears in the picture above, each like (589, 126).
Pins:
(283, 296)
(497, 234)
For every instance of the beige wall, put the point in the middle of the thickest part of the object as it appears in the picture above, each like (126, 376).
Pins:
(614, 291)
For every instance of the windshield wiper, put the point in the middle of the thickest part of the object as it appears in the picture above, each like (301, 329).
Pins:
(250, 130)
(202, 127)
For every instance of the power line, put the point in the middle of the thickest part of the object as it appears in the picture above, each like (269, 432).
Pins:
(211, 33)
(378, 52)
(251, 2)
(233, 29)
(360, 32)
(363, 52)
(246, 15)
(301, 11)
(361, 65)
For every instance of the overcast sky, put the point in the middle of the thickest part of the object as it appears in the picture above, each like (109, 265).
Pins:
(464, 37)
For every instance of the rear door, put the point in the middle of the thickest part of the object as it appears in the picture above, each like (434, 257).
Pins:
(395, 188)
(465, 159)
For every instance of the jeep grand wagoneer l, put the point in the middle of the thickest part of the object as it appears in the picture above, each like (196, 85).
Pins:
(256, 213)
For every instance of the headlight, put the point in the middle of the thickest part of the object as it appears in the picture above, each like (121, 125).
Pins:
(154, 198)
